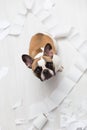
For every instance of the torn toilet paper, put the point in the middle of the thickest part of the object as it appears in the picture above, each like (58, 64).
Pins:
(64, 88)
(66, 120)
(78, 125)
(71, 114)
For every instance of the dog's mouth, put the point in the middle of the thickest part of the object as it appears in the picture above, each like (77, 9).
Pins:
(47, 75)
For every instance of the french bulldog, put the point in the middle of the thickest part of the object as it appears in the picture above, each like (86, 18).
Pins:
(43, 58)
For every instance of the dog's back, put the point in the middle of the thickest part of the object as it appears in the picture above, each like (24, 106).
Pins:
(37, 42)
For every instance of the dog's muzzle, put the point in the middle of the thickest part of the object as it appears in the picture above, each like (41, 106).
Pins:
(47, 74)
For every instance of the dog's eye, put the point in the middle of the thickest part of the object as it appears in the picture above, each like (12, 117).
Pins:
(49, 65)
(38, 70)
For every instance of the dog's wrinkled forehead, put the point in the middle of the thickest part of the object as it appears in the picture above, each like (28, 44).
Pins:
(41, 61)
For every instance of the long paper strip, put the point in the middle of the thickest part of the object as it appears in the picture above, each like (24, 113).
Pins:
(60, 93)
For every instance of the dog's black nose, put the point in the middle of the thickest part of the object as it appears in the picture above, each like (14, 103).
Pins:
(47, 74)
(45, 71)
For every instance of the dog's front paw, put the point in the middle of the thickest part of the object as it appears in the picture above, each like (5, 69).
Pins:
(60, 68)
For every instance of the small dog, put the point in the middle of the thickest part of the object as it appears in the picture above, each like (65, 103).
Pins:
(42, 58)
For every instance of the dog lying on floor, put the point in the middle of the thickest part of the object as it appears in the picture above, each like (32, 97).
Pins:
(43, 58)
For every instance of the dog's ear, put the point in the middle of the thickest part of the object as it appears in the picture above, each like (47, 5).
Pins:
(48, 50)
(27, 60)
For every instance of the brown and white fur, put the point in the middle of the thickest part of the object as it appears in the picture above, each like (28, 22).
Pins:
(43, 58)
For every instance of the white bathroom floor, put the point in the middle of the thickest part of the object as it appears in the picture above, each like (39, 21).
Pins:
(20, 83)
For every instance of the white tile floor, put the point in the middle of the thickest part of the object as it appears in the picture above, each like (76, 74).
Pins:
(20, 83)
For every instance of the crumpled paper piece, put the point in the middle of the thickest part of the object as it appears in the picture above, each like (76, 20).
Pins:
(66, 107)
(66, 120)
(66, 113)
(81, 109)
(78, 125)
(70, 115)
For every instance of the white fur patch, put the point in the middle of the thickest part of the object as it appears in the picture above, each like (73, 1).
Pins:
(39, 55)
(42, 63)
(51, 71)
(42, 76)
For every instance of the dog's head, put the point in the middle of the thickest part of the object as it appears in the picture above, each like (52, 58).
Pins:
(43, 67)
